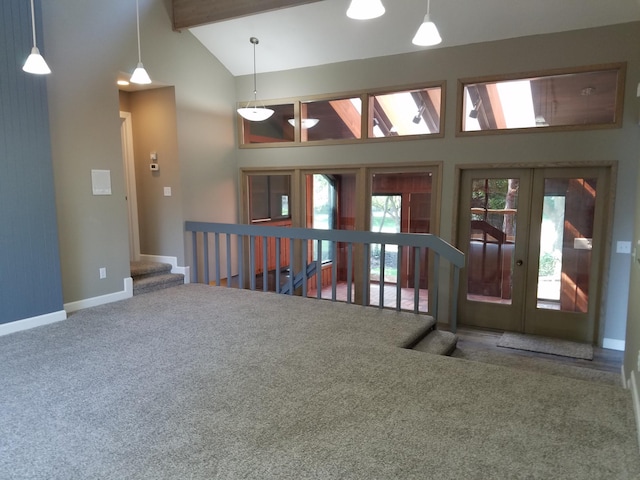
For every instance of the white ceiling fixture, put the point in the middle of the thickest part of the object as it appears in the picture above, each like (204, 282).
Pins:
(255, 113)
(365, 9)
(140, 75)
(35, 62)
(427, 34)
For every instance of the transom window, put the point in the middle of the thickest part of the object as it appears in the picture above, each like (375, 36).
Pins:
(571, 99)
(403, 112)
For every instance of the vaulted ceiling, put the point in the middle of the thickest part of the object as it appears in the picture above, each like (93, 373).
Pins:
(302, 33)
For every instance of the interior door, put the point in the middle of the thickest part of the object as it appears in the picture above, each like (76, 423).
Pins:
(534, 245)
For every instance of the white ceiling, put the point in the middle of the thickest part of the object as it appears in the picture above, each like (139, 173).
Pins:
(320, 33)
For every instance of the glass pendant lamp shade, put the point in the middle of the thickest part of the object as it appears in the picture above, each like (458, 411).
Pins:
(365, 9)
(140, 75)
(35, 62)
(427, 34)
(255, 113)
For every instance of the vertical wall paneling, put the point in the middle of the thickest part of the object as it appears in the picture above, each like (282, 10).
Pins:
(30, 282)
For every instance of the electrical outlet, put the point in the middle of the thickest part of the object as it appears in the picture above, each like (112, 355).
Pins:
(103, 272)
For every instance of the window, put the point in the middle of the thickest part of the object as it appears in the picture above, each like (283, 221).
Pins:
(269, 197)
(412, 112)
(275, 129)
(337, 119)
(323, 211)
(401, 112)
(578, 99)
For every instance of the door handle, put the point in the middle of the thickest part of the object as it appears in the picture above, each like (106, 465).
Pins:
(519, 263)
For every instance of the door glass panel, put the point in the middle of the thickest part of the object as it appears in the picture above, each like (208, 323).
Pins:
(323, 218)
(385, 217)
(330, 205)
(400, 202)
(565, 244)
(494, 205)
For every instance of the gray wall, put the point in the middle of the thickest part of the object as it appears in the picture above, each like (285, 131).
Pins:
(578, 48)
(632, 347)
(29, 263)
(90, 43)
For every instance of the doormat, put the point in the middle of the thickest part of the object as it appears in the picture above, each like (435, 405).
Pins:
(553, 346)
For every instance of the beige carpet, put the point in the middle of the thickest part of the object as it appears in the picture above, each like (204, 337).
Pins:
(553, 346)
(202, 383)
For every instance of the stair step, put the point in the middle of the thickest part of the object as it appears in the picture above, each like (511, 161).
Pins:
(157, 282)
(146, 269)
(438, 342)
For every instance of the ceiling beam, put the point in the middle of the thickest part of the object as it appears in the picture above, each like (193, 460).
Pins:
(191, 13)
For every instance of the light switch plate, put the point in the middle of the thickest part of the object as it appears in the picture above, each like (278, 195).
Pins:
(167, 191)
(623, 247)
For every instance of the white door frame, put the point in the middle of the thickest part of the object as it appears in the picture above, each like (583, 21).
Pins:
(126, 134)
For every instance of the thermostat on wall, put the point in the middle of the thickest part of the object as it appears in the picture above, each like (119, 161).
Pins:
(154, 167)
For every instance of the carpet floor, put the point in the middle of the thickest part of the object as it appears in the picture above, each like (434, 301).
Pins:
(205, 382)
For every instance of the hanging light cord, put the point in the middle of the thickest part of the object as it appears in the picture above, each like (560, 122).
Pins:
(428, 6)
(138, 28)
(254, 40)
(33, 24)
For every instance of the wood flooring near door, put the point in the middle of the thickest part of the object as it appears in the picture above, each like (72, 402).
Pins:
(482, 346)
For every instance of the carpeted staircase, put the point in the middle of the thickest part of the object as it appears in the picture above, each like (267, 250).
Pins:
(151, 276)
(437, 342)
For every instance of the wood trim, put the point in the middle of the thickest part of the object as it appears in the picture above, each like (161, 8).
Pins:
(191, 13)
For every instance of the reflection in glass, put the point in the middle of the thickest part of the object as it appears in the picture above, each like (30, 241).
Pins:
(578, 99)
(269, 197)
(494, 208)
(274, 129)
(338, 119)
(565, 244)
(414, 112)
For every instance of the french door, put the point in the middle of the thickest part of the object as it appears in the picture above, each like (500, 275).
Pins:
(534, 243)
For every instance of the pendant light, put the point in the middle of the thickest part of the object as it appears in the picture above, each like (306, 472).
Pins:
(365, 9)
(35, 63)
(305, 123)
(255, 113)
(427, 34)
(140, 75)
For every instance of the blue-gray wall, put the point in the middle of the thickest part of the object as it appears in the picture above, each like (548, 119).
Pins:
(30, 282)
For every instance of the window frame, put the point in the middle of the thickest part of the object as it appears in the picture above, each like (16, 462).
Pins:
(620, 67)
(365, 97)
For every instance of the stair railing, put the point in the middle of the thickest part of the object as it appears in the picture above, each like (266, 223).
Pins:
(239, 243)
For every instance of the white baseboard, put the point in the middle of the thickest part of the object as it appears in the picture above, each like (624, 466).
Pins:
(173, 261)
(32, 322)
(625, 384)
(613, 344)
(102, 299)
(636, 403)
